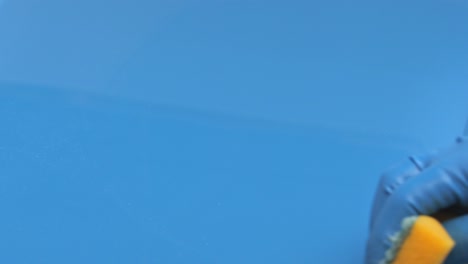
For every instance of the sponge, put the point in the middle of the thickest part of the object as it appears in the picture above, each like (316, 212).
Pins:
(422, 240)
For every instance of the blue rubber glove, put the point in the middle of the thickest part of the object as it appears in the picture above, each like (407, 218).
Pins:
(425, 185)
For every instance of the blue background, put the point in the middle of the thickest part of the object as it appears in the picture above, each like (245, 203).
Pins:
(228, 131)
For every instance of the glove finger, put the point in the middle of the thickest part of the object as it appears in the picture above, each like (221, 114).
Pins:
(434, 189)
(395, 177)
(458, 230)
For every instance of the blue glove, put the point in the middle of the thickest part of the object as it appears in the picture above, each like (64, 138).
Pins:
(426, 185)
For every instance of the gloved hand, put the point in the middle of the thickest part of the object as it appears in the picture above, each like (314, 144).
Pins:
(427, 185)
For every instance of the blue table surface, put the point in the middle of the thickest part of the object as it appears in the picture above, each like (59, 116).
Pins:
(90, 179)
(215, 132)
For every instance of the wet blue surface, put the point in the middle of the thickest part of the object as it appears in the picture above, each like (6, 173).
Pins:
(215, 132)
(95, 179)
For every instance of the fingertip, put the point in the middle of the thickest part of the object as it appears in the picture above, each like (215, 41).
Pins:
(389, 181)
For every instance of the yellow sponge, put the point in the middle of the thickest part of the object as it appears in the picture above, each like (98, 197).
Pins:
(425, 242)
